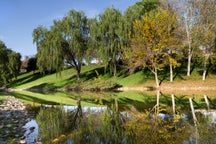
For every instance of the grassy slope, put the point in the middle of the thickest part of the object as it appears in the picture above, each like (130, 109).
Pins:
(93, 76)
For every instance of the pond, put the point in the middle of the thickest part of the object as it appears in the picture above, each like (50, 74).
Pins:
(125, 117)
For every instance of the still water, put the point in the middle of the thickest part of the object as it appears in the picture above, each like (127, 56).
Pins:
(125, 117)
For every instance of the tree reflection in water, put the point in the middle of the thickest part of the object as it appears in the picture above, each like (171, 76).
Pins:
(111, 126)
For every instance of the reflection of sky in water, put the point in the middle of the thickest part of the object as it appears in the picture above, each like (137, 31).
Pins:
(85, 109)
(31, 135)
(213, 114)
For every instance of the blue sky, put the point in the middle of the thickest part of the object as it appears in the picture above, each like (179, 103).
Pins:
(18, 18)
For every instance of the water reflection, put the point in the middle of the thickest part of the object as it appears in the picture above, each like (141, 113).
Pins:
(132, 119)
(100, 124)
(31, 134)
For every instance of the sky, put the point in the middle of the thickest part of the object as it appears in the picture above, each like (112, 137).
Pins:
(18, 18)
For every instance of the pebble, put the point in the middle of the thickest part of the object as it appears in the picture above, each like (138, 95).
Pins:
(13, 118)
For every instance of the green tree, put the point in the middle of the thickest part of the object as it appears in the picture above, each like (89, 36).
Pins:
(14, 63)
(173, 33)
(3, 63)
(32, 64)
(106, 32)
(75, 32)
(205, 34)
(64, 43)
(136, 12)
(39, 38)
(10, 63)
(189, 15)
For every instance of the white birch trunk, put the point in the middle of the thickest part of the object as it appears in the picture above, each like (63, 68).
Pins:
(193, 112)
(158, 101)
(207, 102)
(173, 103)
(156, 79)
(189, 64)
(205, 67)
(171, 72)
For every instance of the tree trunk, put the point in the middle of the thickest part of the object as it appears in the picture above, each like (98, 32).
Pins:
(173, 103)
(207, 102)
(78, 75)
(171, 72)
(114, 69)
(158, 101)
(205, 67)
(156, 79)
(189, 47)
(78, 70)
(193, 111)
(189, 60)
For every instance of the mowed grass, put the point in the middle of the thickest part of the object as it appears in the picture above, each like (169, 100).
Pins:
(57, 98)
(94, 76)
(64, 78)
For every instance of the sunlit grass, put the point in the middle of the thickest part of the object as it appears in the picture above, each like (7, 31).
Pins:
(93, 77)
(54, 98)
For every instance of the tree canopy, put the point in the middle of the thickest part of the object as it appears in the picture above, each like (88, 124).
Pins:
(10, 63)
(153, 41)
(107, 34)
(153, 34)
(64, 44)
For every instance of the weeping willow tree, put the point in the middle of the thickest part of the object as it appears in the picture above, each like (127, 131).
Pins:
(106, 32)
(64, 44)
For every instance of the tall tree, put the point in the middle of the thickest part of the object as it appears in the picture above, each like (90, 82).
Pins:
(64, 43)
(107, 33)
(189, 13)
(75, 32)
(14, 63)
(10, 63)
(149, 45)
(39, 34)
(173, 35)
(206, 32)
(136, 12)
(3, 63)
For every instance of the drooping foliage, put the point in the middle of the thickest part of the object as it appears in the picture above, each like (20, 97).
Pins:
(150, 33)
(10, 63)
(106, 32)
(64, 44)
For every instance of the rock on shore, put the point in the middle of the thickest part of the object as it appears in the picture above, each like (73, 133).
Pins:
(13, 117)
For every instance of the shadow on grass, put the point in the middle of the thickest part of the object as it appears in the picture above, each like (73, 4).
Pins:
(183, 102)
(44, 88)
(85, 76)
(140, 106)
(33, 99)
(26, 79)
(93, 97)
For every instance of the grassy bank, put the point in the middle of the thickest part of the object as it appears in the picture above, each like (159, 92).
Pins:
(94, 76)
(33, 85)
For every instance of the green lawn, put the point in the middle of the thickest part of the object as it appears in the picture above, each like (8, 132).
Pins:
(36, 87)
